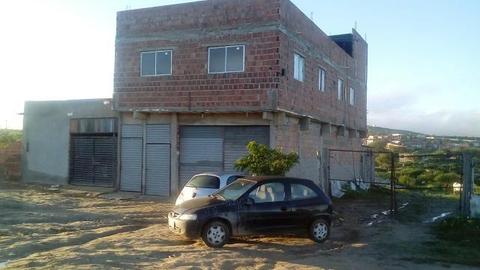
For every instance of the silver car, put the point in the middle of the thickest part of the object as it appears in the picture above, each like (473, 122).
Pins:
(204, 184)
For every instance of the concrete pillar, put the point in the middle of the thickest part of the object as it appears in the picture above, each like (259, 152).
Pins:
(174, 155)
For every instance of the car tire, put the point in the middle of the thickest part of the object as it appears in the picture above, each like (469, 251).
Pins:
(216, 234)
(319, 230)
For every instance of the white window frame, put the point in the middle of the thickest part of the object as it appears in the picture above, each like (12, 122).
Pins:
(225, 61)
(298, 56)
(159, 51)
(322, 75)
(351, 95)
(340, 90)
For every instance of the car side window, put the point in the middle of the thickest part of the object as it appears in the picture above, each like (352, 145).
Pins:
(269, 192)
(301, 192)
(232, 178)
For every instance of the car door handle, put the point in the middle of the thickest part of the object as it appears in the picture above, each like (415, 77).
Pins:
(283, 208)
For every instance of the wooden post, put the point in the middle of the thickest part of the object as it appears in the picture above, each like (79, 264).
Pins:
(467, 184)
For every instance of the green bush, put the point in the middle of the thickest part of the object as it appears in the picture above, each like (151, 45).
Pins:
(262, 160)
(8, 136)
(447, 179)
(406, 180)
(461, 229)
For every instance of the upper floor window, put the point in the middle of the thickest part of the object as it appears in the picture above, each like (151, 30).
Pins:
(352, 96)
(340, 90)
(156, 63)
(298, 67)
(226, 59)
(321, 79)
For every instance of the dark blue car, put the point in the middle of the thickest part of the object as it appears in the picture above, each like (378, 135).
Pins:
(255, 205)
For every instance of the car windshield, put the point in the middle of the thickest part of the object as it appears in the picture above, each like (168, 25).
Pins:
(204, 181)
(235, 189)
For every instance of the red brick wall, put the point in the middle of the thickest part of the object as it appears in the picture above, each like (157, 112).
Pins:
(272, 30)
(305, 38)
(10, 160)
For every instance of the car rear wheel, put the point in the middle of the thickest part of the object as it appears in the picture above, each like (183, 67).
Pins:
(319, 230)
(216, 234)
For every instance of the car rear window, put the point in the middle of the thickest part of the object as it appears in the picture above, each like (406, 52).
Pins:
(204, 181)
(302, 192)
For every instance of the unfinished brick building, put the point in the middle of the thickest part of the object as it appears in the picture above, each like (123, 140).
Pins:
(195, 82)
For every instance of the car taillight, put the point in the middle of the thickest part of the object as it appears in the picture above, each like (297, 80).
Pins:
(194, 194)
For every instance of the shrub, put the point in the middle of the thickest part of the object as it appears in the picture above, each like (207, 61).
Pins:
(447, 179)
(262, 160)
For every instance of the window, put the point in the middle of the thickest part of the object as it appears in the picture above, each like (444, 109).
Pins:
(298, 67)
(321, 79)
(340, 90)
(156, 63)
(204, 181)
(301, 192)
(226, 59)
(269, 192)
(232, 179)
(352, 96)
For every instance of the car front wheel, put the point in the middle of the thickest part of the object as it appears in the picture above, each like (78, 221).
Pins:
(216, 234)
(319, 230)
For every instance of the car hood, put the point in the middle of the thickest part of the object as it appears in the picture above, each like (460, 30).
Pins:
(197, 204)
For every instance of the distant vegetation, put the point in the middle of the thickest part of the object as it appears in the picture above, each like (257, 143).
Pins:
(9, 136)
(425, 171)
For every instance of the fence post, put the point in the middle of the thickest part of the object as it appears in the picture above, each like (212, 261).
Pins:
(467, 184)
(393, 199)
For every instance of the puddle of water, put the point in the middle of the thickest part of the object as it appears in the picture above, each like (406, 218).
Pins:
(438, 217)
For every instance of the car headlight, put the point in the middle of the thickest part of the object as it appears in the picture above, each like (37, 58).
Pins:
(188, 217)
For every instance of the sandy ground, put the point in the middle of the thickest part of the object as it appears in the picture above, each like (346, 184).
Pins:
(80, 229)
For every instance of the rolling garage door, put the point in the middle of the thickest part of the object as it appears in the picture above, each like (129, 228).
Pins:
(157, 163)
(236, 140)
(201, 150)
(215, 149)
(132, 156)
(93, 160)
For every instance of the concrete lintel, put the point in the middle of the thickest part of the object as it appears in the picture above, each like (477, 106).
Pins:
(267, 116)
(139, 115)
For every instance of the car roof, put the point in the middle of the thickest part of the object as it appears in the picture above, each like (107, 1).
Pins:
(219, 174)
(281, 178)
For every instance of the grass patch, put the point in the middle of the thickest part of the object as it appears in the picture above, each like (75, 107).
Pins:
(458, 241)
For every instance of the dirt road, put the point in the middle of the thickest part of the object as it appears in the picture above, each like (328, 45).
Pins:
(74, 229)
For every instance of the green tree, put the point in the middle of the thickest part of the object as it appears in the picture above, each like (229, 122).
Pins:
(262, 160)
(447, 179)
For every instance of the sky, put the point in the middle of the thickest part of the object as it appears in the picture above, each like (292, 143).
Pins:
(422, 73)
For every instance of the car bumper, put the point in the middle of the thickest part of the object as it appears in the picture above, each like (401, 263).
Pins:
(185, 228)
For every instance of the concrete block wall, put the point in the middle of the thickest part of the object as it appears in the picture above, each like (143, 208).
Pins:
(303, 37)
(312, 145)
(189, 30)
(271, 30)
(10, 161)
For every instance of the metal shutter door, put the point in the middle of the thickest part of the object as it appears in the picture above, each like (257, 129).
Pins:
(131, 155)
(236, 140)
(105, 156)
(201, 150)
(81, 156)
(157, 167)
(157, 178)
